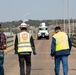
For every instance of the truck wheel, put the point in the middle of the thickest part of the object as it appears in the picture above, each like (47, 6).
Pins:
(47, 37)
(38, 38)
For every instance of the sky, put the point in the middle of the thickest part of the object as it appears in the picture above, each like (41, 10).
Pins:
(14, 10)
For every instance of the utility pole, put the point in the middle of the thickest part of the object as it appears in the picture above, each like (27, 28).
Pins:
(24, 16)
(64, 15)
(73, 26)
(69, 16)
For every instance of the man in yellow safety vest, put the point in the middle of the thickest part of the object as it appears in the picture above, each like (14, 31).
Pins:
(60, 49)
(24, 45)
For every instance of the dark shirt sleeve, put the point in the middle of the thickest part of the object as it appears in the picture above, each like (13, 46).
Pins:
(70, 43)
(53, 47)
(16, 44)
(4, 44)
(4, 39)
(32, 43)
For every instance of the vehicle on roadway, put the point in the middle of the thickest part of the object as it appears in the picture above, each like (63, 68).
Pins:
(43, 31)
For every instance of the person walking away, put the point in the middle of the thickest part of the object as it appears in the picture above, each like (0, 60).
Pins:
(60, 49)
(2, 48)
(24, 45)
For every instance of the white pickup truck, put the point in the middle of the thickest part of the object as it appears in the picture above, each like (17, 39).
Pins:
(43, 31)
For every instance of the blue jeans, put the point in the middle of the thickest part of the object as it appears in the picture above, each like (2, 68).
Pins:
(1, 65)
(64, 60)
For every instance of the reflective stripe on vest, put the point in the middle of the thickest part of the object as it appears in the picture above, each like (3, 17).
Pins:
(24, 42)
(61, 41)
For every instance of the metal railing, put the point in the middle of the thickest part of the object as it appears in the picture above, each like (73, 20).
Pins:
(73, 39)
(10, 41)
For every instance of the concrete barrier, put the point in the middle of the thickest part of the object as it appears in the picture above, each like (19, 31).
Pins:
(10, 43)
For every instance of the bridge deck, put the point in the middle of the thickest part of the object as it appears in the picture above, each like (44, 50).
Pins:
(42, 64)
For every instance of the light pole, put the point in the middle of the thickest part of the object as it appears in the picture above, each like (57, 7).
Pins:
(69, 16)
(25, 16)
(64, 15)
(73, 26)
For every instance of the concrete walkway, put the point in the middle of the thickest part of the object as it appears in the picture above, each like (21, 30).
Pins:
(42, 64)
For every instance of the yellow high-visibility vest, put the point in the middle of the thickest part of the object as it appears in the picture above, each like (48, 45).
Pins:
(24, 44)
(61, 41)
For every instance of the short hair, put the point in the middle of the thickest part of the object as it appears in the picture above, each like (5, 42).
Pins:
(57, 28)
(23, 28)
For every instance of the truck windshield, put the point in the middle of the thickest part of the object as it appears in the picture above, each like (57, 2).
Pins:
(43, 28)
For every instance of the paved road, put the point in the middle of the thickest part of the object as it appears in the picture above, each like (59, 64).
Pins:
(42, 64)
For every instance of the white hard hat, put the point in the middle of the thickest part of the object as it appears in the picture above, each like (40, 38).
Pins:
(23, 25)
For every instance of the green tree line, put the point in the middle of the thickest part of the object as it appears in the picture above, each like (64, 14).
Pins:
(36, 23)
